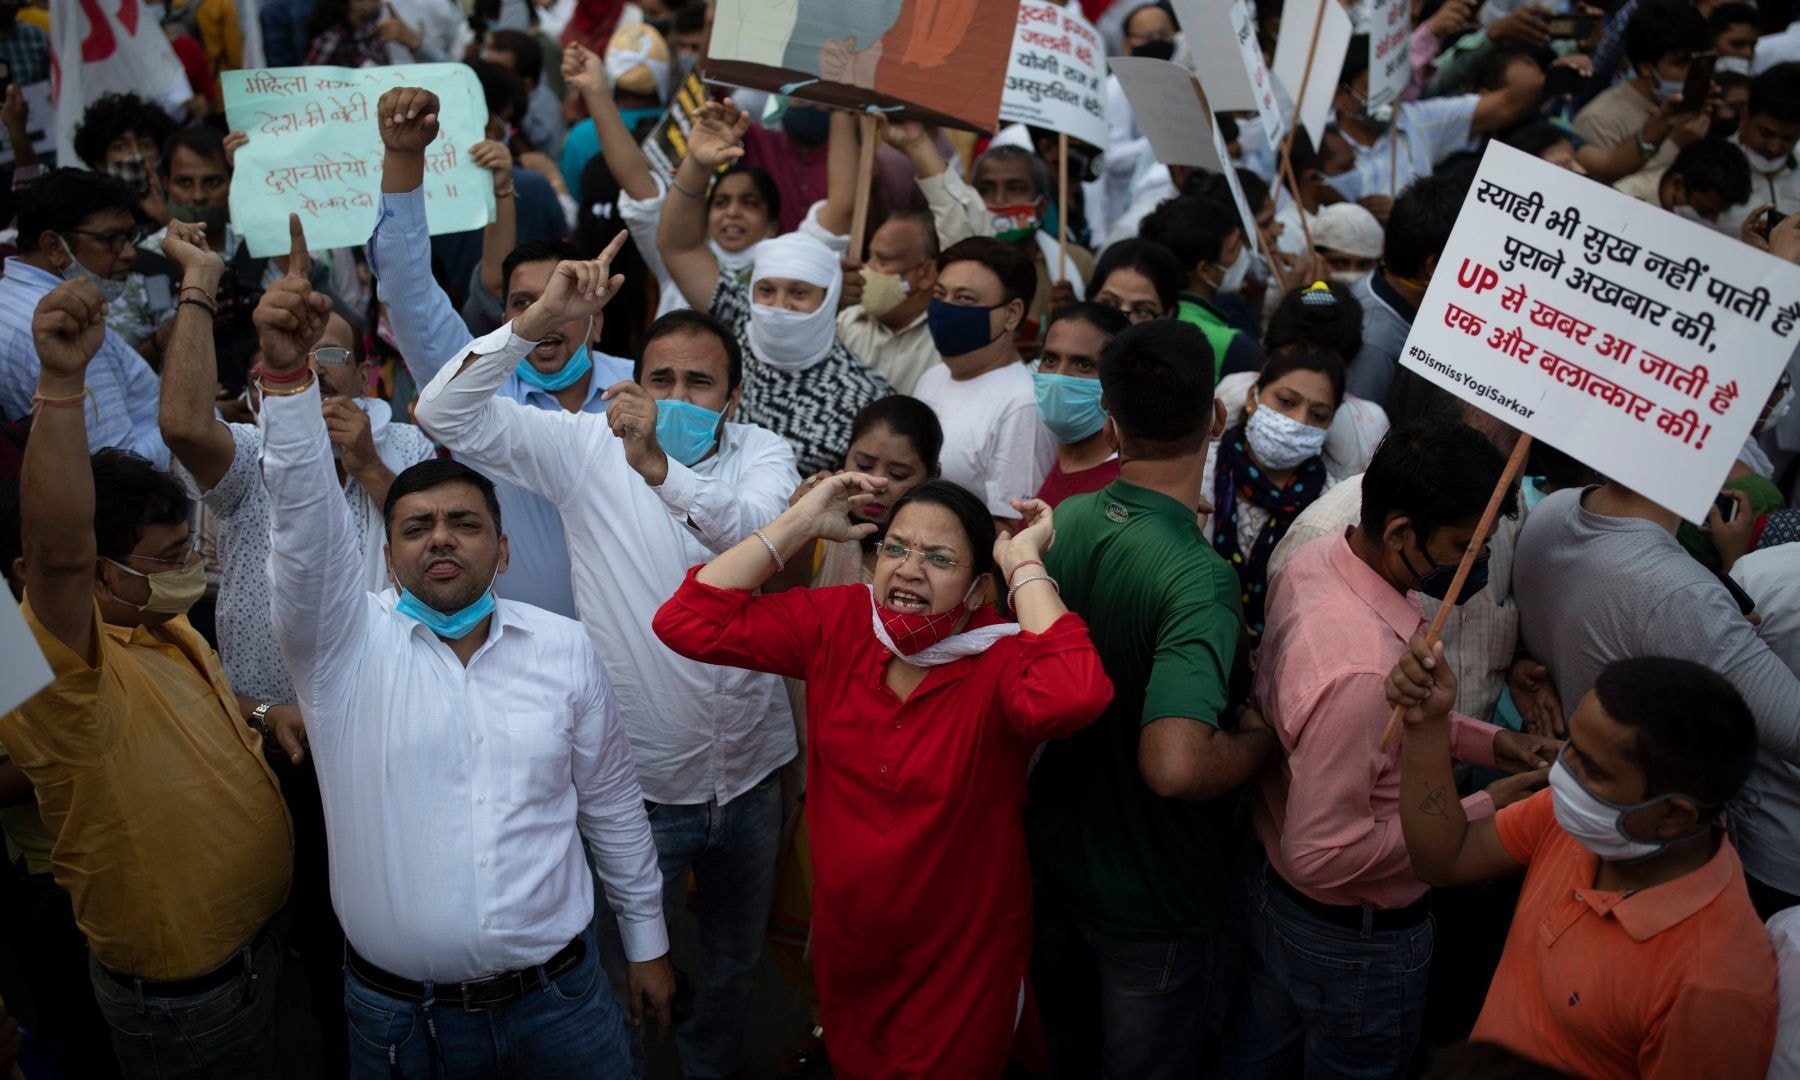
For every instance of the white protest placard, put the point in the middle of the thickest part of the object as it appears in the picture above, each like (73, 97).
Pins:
(100, 48)
(23, 669)
(1311, 86)
(1055, 79)
(1636, 342)
(39, 121)
(1172, 112)
(315, 150)
(1390, 50)
(1229, 60)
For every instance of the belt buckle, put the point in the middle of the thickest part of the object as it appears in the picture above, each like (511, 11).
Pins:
(469, 1002)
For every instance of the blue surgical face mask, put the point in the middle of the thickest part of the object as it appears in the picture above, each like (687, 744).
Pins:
(455, 625)
(1435, 582)
(958, 329)
(579, 364)
(1070, 406)
(686, 431)
(1531, 492)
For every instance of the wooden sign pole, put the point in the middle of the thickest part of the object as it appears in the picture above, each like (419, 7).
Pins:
(1287, 144)
(1508, 477)
(865, 176)
(1062, 205)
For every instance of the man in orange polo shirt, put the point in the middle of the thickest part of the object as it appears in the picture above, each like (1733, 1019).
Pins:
(1634, 950)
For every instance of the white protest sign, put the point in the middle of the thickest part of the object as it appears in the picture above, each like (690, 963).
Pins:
(99, 48)
(1172, 113)
(1390, 50)
(23, 669)
(1229, 60)
(39, 116)
(315, 150)
(1640, 344)
(1311, 86)
(1055, 79)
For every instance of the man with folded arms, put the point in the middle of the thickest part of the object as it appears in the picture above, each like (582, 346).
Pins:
(465, 748)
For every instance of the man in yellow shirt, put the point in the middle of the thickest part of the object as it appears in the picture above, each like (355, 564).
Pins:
(171, 835)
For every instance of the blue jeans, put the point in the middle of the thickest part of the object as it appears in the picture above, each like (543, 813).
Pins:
(731, 849)
(1353, 1001)
(228, 1031)
(1123, 1007)
(566, 1027)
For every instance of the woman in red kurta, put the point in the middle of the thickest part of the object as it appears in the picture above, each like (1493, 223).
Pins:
(922, 716)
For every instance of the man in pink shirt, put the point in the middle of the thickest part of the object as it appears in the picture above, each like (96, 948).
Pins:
(1339, 929)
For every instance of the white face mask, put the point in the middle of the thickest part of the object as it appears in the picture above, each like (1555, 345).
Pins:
(1597, 824)
(792, 340)
(1281, 442)
(1779, 410)
(1767, 166)
(1735, 64)
(1346, 277)
(1233, 278)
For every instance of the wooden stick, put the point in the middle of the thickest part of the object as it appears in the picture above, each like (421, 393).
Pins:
(1268, 250)
(1062, 204)
(1393, 163)
(865, 176)
(1287, 144)
(1508, 477)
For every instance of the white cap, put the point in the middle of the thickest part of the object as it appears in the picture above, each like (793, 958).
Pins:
(1348, 228)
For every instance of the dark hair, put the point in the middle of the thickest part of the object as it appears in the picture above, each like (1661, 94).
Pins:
(130, 493)
(1713, 164)
(327, 14)
(1776, 93)
(909, 418)
(62, 199)
(1228, 131)
(688, 321)
(1695, 735)
(1156, 379)
(597, 221)
(12, 535)
(1662, 27)
(532, 251)
(971, 513)
(1356, 60)
(1304, 358)
(1040, 173)
(502, 89)
(202, 142)
(759, 177)
(528, 59)
(112, 115)
(1193, 228)
(1436, 470)
(1421, 221)
(1146, 257)
(436, 472)
(1108, 321)
(1336, 326)
(1534, 138)
(927, 226)
(1018, 277)
(1558, 469)
(1728, 15)
(1256, 189)
(688, 18)
(1491, 71)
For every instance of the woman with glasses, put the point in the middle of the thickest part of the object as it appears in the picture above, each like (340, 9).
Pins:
(923, 711)
(1139, 279)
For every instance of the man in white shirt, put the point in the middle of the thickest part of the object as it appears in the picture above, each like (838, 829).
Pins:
(663, 481)
(1770, 127)
(885, 323)
(995, 444)
(465, 748)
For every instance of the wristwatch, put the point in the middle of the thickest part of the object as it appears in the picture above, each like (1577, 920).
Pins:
(259, 719)
(1646, 147)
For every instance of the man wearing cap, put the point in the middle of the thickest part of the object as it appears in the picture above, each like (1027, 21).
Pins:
(1348, 238)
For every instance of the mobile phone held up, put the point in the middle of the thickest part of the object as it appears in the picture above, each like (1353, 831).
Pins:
(1573, 27)
(1698, 87)
(1728, 507)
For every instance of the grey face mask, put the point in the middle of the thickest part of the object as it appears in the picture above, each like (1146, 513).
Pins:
(110, 289)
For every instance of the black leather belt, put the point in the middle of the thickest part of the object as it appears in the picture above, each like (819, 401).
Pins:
(475, 995)
(1350, 916)
(199, 984)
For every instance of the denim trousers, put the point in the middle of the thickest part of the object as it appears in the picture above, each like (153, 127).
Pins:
(228, 1031)
(731, 850)
(1123, 1007)
(1351, 1001)
(566, 1027)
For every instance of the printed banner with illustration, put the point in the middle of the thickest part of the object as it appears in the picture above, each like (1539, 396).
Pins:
(315, 150)
(1057, 79)
(1636, 342)
(666, 143)
(940, 61)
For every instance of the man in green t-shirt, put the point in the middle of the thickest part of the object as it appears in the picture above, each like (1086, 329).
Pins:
(1134, 823)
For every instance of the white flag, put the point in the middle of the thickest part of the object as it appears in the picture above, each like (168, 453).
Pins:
(106, 45)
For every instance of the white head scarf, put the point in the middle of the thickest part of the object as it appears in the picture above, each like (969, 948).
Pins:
(792, 340)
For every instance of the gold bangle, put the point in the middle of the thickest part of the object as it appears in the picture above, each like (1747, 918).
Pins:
(507, 194)
(269, 391)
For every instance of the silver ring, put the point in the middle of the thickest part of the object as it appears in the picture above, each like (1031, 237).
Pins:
(812, 481)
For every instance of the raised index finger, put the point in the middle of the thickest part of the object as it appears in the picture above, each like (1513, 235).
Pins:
(299, 260)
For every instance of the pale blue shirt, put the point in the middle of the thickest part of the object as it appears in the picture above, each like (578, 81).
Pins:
(429, 333)
(122, 412)
(1429, 131)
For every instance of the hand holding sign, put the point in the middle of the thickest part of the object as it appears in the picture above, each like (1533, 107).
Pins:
(291, 316)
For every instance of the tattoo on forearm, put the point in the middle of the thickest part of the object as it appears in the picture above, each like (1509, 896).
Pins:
(1434, 802)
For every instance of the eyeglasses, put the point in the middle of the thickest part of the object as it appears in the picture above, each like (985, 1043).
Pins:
(187, 557)
(119, 242)
(936, 560)
(330, 355)
(1136, 313)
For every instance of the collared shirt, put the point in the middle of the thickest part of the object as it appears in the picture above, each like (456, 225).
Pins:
(26, 49)
(1780, 188)
(171, 835)
(428, 333)
(240, 506)
(1429, 131)
(1329, 814)
(457, 796)
(1387, 320)
(699, 732)
(121, 413)
(1673, 981)
(899, 356)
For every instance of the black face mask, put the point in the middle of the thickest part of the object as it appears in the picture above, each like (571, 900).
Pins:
(1724, 129)
(1155, 50)
(807, 125)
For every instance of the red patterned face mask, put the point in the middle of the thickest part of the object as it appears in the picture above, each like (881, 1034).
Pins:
(910, 633)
